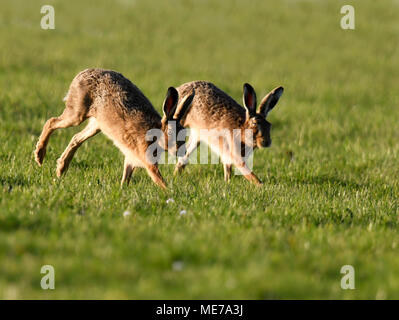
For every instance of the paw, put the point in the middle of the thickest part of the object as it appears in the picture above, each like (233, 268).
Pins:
(39, 155)
(60, 168)
(178, 169)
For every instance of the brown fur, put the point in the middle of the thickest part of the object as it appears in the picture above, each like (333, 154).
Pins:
(116, 107)
(214, 109)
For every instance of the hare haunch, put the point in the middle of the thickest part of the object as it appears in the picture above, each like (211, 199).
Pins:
(120, 110)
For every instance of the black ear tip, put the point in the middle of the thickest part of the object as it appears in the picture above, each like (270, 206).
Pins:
(171, 89)
(279, 91)
(172, 92)
(247, 86)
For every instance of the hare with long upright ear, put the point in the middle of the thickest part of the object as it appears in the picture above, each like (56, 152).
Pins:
(218, 120)
(115, 106)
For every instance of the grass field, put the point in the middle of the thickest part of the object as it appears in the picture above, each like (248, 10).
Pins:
(335, 203)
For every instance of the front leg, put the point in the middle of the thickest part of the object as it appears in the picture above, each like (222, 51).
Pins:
(239, 155)
(247, 173)
(193, 144)
(155, 175)
(227, 171)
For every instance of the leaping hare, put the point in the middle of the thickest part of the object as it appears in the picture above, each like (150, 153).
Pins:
(214, 109)
(120, 110)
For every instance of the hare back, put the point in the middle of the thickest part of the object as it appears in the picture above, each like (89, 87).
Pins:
(98, 89)
(211, 107)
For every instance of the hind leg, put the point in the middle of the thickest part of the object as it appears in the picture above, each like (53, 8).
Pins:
(89, 131)
(128, 170)
(69, 118)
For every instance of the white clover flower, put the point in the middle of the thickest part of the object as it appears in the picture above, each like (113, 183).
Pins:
(178, 266)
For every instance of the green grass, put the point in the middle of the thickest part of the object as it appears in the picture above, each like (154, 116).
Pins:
(336, 203)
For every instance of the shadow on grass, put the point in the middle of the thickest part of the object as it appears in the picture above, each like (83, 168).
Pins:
(326, 179)
(321, 180)
(83, 164)
(12, 181)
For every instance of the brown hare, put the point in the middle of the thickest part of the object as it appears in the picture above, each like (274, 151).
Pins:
(243, 129)
(120, 110)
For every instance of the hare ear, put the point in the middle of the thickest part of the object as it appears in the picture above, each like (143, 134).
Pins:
(183, 106)
(270, 100)
(249, 100)
(170, 103)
